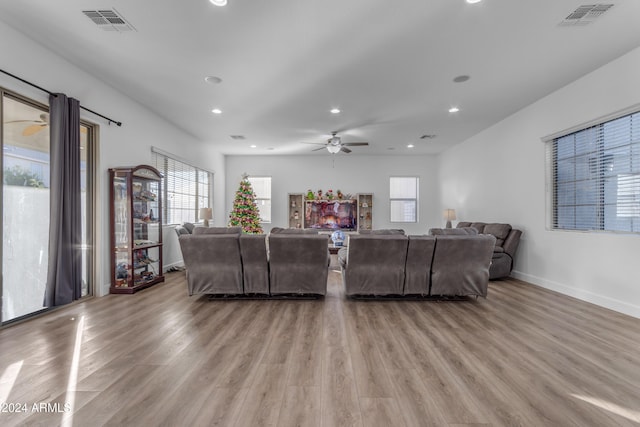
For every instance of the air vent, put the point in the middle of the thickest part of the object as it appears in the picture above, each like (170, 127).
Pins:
(427, 136)
(238, 137)
(109, 20)
(585, 14)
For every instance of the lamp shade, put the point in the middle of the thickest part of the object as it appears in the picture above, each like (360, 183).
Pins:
(449, 214)
(206, 213)
(333, 149)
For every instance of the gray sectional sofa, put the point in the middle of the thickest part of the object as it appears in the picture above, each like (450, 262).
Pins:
(434, 266)
(223, 261)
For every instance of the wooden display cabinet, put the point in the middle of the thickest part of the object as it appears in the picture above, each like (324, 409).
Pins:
(296, 210)
(365, 211)
(136, 228)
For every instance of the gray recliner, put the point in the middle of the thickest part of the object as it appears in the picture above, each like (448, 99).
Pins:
(213, 263)
(374, 264)
(460, 265)
(298, 263)
(504, 253)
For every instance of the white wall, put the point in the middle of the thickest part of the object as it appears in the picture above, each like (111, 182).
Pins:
(119, 146)
(499, 175)
(352, 173)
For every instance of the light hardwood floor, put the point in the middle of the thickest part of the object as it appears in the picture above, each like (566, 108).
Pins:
(523, 356)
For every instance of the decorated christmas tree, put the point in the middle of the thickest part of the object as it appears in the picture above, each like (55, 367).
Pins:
(245, 212)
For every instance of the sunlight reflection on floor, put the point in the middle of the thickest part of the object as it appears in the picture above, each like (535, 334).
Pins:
(8, 378)
(629, 414)
(67, 419)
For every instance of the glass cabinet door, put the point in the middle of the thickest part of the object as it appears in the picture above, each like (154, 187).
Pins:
(146, 230)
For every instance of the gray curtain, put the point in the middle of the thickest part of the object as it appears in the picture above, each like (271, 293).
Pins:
(64, 276)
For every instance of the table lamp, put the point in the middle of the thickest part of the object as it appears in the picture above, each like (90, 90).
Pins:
(449, 215)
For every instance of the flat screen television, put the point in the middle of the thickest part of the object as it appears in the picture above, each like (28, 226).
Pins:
(331, 214)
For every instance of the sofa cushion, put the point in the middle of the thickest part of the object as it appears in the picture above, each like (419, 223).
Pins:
(189, 227)
(384, 232)
(479, 226)
(463, 224)
(280, 230)
(461, 231)
(499, 231)
(180, 230)
(218, 230)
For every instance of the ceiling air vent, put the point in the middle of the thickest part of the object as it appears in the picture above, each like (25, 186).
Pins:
(237, 137)
(109, 20)
(586, 14)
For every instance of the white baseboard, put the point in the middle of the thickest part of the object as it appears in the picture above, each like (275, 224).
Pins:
(581, 294)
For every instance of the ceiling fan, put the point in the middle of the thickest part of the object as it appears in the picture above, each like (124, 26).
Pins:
(37, 125)
(335, 144)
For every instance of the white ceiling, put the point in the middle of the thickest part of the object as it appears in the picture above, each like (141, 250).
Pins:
(388, 65)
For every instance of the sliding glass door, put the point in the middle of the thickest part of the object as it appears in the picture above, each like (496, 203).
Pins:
(25, 206)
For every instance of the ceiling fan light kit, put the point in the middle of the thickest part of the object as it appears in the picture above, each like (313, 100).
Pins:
(334, 144)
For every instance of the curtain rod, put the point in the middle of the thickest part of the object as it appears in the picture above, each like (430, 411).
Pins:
(51, 93)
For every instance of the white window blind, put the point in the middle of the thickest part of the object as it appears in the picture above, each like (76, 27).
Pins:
(595, 175)
(403, 198)
(185, 189)
(262, 187)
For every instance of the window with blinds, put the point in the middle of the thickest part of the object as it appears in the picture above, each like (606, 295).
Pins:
(262, 187)
(595, 175)
(403, 198)
(185, 189)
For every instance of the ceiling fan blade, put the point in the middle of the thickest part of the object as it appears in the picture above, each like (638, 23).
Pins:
(318, 149)
(314, 143)
(355, 144)
(33, 129)
(23, 121)
(345, 149)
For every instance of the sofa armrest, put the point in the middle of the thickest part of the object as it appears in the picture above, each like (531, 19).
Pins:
(510, 244)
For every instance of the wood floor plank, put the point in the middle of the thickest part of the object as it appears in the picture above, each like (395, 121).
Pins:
(380, 412)
(261, 406)
(340, 406)
(300, 407)
(306, 364)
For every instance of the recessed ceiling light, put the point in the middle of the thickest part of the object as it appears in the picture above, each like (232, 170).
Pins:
(468, 1)
(253, 146)
(410, 146)
(335, 111)
(216, 111)
(461, 79)
(221, 2)
(454, 109)
(214, 80)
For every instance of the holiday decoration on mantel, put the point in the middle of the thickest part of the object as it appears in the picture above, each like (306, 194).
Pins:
(328, 195)
(245, 212)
